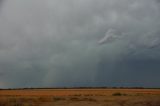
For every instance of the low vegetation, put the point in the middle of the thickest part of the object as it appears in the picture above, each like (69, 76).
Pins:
(101, 97)
(119, 94)
(58, 99)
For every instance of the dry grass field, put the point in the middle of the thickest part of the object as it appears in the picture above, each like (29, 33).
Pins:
(80, 97)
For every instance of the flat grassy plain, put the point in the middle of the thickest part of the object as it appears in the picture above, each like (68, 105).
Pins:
(80, 97)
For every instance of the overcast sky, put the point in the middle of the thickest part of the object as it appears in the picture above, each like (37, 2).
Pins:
(66, 43)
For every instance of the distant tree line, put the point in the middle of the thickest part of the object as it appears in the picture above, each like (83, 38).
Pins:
(78, 88)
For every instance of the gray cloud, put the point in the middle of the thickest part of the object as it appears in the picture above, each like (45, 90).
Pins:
(55, 43)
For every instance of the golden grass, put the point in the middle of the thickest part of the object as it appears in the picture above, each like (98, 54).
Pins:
(80, 97)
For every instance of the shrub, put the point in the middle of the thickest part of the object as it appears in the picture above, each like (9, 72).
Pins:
(83, 99)
(117, 94)
(58, 98)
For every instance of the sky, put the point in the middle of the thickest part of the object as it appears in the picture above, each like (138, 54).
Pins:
(79, 43)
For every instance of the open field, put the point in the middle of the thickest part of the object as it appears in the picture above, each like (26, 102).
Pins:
(80, 97)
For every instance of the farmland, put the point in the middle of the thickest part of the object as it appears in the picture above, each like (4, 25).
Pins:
(80, 97)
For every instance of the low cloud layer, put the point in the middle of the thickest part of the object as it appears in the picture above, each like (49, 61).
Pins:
(56, 43)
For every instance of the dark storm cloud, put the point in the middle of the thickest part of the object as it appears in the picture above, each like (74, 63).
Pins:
(79, 43)
(1, 1)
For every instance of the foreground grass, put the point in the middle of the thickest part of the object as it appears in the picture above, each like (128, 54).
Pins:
(111, 98)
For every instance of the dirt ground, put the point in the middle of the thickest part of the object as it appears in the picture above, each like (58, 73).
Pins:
(80, 97)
